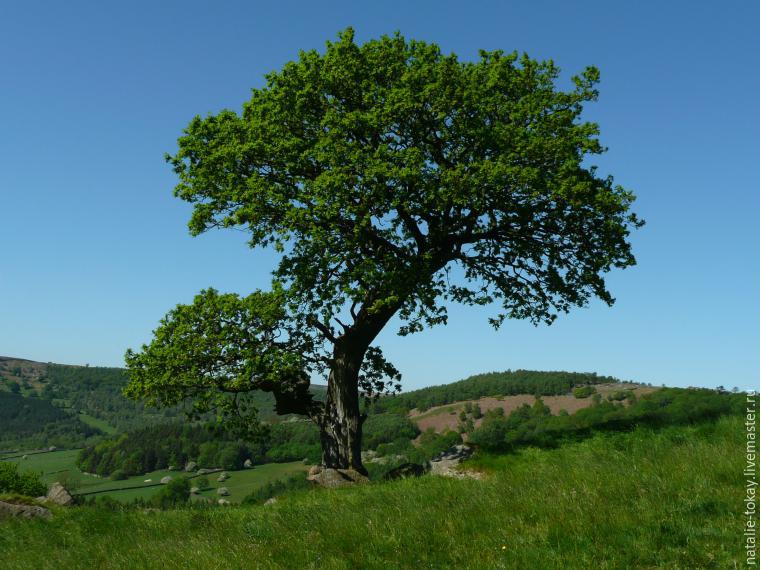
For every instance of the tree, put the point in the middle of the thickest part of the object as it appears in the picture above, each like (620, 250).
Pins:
(392, 179)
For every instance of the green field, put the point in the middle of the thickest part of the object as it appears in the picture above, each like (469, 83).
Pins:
(61, 466)
(666, 498)
(97, 423)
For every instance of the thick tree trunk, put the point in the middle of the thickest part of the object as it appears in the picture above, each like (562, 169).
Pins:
(341, 422)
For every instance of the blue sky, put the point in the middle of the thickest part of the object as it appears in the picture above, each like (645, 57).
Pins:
(95, 249)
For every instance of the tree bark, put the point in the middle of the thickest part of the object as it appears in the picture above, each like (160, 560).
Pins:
(340, 424)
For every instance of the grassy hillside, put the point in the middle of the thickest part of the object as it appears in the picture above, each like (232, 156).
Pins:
(642, 499)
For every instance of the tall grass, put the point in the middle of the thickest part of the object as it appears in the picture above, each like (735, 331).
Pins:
(645, 499)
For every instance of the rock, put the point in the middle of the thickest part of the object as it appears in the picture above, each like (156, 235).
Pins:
(248, 464)
(59, 495)
(148, 481)
(331, 478)
(165, 480)
(191, 466)
(223, 476)
(314, 470)
(223, 491)
(223, 502)
(206, 471)
(23, 511)
(52, 448)
(194, 490)
(368, 455)
(405, 470)
(270, 501)
(24, 456)
(171, 468)
(41, 499)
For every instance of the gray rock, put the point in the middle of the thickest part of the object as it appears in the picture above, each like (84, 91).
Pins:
(271, 501)
(223, 476)
(59, 495)
(23, 511)
(223, 502)
(331, 478)
(171, 468)
(223, 491)
(248, 464)
(191, 466)
(52, 448)
(165, 480)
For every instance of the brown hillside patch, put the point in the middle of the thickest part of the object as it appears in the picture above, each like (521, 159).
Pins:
(26, 373)
(442, 418)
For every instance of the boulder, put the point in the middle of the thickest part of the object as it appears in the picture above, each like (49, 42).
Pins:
(223, 476)
(165, 480)
(405, 470)
(52, 448)
(23, 511)
(248, 464)
(59, 495)
(270, 501)
(223, 502)
(148, 481)
(223, 491)
(171, 468)
(331, 478)
(191, 466)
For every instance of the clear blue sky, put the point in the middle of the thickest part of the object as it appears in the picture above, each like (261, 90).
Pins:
(94, 249)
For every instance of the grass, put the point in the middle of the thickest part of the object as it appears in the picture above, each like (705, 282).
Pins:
(97, 423)
(646, 499)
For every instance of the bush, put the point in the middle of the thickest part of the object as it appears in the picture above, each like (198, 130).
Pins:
(118, 475)
(583, 391)
(28, 484)
(385, 428)
(175, 493)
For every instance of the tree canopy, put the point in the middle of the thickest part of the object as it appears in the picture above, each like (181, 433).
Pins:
(393, 179)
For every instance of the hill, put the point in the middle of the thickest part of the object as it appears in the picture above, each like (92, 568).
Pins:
(623, 500)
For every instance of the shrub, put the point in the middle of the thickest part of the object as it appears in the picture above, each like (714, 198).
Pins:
(28, 484)
(583, 391)
(175, 493)
(118, 475)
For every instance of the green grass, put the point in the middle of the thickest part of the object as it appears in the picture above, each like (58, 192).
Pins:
(646, 499)
(102, 425)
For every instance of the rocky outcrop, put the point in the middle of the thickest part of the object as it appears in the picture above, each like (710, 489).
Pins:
(59, 495)
(23, 511)
(404, 471)
(332, 478)
(446, 463)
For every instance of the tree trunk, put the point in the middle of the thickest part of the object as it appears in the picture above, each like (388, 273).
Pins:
(340, 425)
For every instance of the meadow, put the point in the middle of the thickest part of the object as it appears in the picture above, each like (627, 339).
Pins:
(616, 500)
(60, 466)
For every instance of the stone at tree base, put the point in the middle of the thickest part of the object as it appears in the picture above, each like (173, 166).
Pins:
(166, 479)
(331, 478)
(405, 470)
(23, 511)
(59, 495)
(191, 466)
(248, 464)
(224, 491)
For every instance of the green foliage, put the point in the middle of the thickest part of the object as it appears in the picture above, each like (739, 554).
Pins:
(385, 428)
(584, 391)
(26, 483)
(175, 493)
(668, 406)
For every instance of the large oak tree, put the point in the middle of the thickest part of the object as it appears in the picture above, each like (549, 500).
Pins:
(392, 179)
